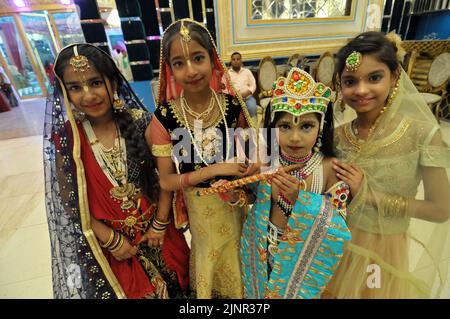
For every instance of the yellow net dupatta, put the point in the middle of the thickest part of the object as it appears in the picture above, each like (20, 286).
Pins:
(411, 254)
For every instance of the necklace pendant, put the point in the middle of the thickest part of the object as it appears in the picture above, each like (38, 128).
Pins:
(123, 191)
(118, 175)
(273, 249)
(130, 221)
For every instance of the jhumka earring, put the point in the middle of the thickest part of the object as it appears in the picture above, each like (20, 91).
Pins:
(353, 61)
(339, 102)
(318, 143)
(118, 104)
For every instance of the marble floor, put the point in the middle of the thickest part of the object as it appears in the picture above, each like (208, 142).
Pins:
(24, 241)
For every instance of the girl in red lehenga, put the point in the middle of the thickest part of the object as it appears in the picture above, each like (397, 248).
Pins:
(109, 238)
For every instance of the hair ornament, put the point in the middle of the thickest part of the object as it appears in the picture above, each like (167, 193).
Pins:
(79, 62)
(353, 61)
(395, 38)
(184, 32)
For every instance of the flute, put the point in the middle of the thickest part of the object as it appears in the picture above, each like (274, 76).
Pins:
(244, 181)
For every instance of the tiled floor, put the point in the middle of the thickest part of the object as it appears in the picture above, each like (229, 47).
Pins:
(24, 242)
(24, 120)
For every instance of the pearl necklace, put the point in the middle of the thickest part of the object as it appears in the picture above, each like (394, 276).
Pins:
(313, 166)
(183, 109)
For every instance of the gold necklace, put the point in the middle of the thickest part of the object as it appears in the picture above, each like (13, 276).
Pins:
(196, 115)
(190, 133)
(114, 165)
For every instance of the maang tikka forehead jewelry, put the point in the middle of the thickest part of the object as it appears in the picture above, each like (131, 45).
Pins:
(80, 64)
(185, 38)
(353, 61)
(184, 32)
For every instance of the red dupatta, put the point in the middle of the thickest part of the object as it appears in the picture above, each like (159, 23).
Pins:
(130, 273)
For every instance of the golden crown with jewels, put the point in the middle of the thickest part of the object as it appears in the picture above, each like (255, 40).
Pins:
(299, 94)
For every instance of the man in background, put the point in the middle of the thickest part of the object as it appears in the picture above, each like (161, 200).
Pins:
(244, 81)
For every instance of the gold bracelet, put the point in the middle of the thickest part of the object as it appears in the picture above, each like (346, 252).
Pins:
(119, 244)
(115, 241)
(161, 223)
(243, 198)
(158, 231)
(393, 206)
(235, 203)
(109, 241)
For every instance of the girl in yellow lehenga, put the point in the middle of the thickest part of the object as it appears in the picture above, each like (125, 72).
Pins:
(400, 245)
(194, 114)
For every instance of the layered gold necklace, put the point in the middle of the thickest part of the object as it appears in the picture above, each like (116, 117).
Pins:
(198, 116)
(113, 162)
(212, 137)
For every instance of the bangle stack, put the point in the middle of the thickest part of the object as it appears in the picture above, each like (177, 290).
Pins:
(158, 226)
(394, 206)
(114, 242)
(285, 205)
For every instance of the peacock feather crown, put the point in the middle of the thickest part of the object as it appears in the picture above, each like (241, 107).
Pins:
(299, 94)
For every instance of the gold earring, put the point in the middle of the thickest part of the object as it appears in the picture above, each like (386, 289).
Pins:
(118, 104)
(318, 143)
(339, 102)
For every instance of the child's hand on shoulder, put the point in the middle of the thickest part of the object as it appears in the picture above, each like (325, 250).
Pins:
(350, 174)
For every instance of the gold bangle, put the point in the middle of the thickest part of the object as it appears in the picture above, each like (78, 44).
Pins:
(119, 244)
(158, 231)
(158, 228)
(235, 203)
(110, 239)
(115, 241)
(161, 223)
(405, 207)
(393, 206)
(242, 198)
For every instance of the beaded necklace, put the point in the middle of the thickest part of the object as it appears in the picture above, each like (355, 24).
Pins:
(313, 166)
